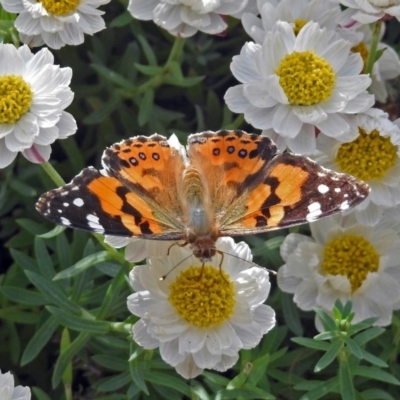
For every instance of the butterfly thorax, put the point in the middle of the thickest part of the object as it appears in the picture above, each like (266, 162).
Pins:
(201, 231)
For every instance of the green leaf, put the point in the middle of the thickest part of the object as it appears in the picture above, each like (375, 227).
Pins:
(39, 393)
(329, 356)
(147, 50)
(111, 362)
(66, 356)
(150, 70)
(25, 262)
(187, 82)
(78, 323)
(114, 383)
(100, 114)
(39, 340)
(353, 347)
(122, 20)
(23, 296)
(320, 391)
(376, 374)
(31, 226)
(46, 266)
(83, 265)
(368, 335)
(255, 393)
(373, 359)
(311, 343)
(54, 232)
(327, 335)
(146, 107)
(23, 189)
(136, 368)
(63, 251)
(376, 394)
(14, 315)
(170, 381)
(346, 381)
(176, 70)
(291, 314)
(328, 323)
(52, 292)
(113, 77)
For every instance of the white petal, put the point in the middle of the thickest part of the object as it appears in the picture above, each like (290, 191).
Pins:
(6, 156)
(11, 61)
(142, 9)
(188, 368)
(305, 142)
(235, 99)
(257, 94)
(37, 153)
(244, 67)
(142, 337)
(260, 118)
(333, 126)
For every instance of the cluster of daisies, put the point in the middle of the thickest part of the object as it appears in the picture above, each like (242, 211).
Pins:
(307, 81)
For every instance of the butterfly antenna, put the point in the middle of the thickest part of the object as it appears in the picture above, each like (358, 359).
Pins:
(177, 265)
(271, 271)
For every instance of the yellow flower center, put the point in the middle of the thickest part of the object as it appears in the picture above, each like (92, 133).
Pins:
(15, 98)
(60, 7)
(368, 157)
(306, 78)
(361, 48)
(352, 256)
(203, 296)
(298, 24)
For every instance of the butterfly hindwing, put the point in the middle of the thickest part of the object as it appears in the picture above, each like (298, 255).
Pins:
(97, 203)
(295, 190)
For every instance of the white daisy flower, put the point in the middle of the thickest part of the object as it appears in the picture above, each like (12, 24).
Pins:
(56, 22)
(385, 68)
(372, 156)
(344, 261)
(33, 95)
(201, 316)
(294, 84)
(367, 11)
(298, 13)
(184, 18)
(9, 392)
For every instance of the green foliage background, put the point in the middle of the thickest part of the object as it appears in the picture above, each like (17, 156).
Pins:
(64, 325)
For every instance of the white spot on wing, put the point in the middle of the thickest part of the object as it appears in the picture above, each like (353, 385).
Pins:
(78, 202)
(75, 188)
(338, 190)
(65, 221)
(314, 211)
(345, 205)
(94, 223)
(323, 189)
(65, 204)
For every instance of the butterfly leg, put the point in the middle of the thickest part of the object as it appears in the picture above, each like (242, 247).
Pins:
(220, 264)
(176, 244)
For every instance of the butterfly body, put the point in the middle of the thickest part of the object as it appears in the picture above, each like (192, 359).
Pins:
(229, 183)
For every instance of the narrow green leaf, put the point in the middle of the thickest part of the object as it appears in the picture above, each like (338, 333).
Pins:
(199, 392)
(347, 309)
(353, 347)
(25, 262)
(150, 70)
(83, 265)
(376, 394)
(21, 317)
(39, 340)
(113, 77)
(31, 226)
(329, 356)
(111, 362)
(78, 323)
(39, 393)
(146, 107)
(176, 70)
(46, 266)
(328, 323)
(52, 292)
(375, 373)
(63, 251)
(368, 335)
(147, 50)
(66, 356)
(346, 381)
(103, 112)
(320, 391)
(122, 20)
(255, 393)
(187, 82)
(162, 379)
(327, 335)
(373, 359)
(136, 368)
(54, 232)
(23, 296)
(23, 189)
(311, 343)
(64, 343)
(291, 314)
(114, 383)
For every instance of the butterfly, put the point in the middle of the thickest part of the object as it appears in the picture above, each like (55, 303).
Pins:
(228, 183)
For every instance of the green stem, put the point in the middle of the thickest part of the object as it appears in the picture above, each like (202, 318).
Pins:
(52, 173)
(374, 46)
